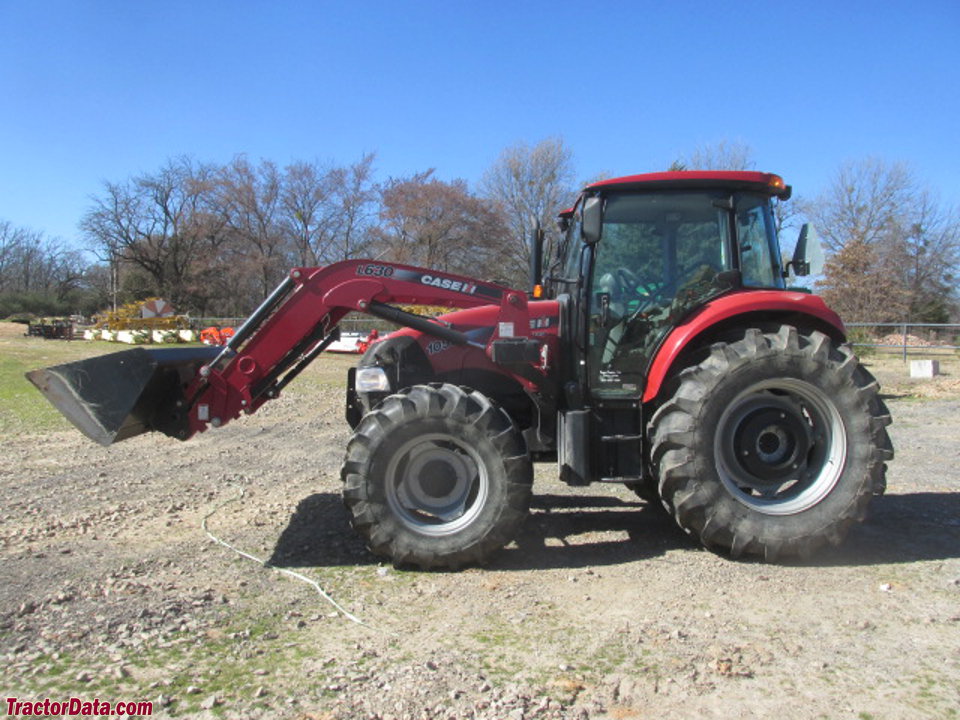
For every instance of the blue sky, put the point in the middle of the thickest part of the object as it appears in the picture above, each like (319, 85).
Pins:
(97, 91)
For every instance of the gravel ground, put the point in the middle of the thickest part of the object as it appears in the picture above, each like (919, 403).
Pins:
(111, 589)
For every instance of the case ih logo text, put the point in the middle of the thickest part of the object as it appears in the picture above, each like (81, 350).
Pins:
(448, 284)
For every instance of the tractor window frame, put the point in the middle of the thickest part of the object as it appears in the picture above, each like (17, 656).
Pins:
(757, 245)
(572, 255)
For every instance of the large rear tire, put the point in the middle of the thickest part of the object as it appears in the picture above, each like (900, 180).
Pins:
(437, 476)
(773, 445)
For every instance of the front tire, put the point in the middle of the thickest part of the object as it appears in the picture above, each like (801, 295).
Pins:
(437, 476)
(773, 445)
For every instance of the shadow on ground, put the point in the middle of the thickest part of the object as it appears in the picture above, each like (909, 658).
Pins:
(319, 534)
(561, 531)
(573, 531)
(903, 528)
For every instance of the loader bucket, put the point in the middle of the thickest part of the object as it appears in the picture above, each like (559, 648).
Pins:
(117, 396)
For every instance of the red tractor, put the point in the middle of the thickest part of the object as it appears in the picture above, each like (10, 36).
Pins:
(659, 348)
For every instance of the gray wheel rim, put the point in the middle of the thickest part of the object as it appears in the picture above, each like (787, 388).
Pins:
(780, 446)
(436, 484)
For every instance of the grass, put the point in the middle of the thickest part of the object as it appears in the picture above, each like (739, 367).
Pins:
(24, 411)
(504, 649)
(22, 408)
(214, 664)
(894, 377)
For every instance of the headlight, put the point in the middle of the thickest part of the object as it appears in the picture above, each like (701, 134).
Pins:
(371, 379)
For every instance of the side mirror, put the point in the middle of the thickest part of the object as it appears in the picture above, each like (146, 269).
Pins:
(592, 220)
(808, 255)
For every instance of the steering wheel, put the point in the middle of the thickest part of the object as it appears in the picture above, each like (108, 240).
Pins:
(637, 295)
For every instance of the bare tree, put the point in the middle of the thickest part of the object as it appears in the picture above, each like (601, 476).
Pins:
(329, 210)
(530, 184)
(930, 266)
(33, 254)
(355, 195)
(12, 241)
(249, 197)
(166, 223)
(221, 237)
(37, 273)
(307, 216)
(891, 251)
(33, 263)
(865, 203)
(440, 225)
(98, 282)
(724, 155)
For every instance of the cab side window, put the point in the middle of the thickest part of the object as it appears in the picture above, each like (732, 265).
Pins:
(758, 265)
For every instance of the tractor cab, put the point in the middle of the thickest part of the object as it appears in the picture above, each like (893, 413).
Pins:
(641, 253)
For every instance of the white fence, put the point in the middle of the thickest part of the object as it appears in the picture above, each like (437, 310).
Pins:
(352, 323)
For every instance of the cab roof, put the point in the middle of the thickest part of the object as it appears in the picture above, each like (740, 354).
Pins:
(727, 179)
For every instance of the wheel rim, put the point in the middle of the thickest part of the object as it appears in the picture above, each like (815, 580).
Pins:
(436, 485)
(780, 446)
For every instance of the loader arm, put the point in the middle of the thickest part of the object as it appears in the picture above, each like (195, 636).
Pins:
(300, 319)
(182, 391)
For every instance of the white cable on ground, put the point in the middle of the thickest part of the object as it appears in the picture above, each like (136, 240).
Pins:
(291, 573)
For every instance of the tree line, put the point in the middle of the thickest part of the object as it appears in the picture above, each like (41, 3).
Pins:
(38, 274)
(893, 249)
(215, 239)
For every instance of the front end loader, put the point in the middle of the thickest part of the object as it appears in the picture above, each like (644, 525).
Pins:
(660, 349)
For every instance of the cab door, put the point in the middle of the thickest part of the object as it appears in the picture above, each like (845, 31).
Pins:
(660, 256)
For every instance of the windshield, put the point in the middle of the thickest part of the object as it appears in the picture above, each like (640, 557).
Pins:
(663, 237)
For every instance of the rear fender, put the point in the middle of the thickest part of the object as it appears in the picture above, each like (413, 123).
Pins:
(752, 306)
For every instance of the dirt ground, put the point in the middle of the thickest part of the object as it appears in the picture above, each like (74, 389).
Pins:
(111, 589)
